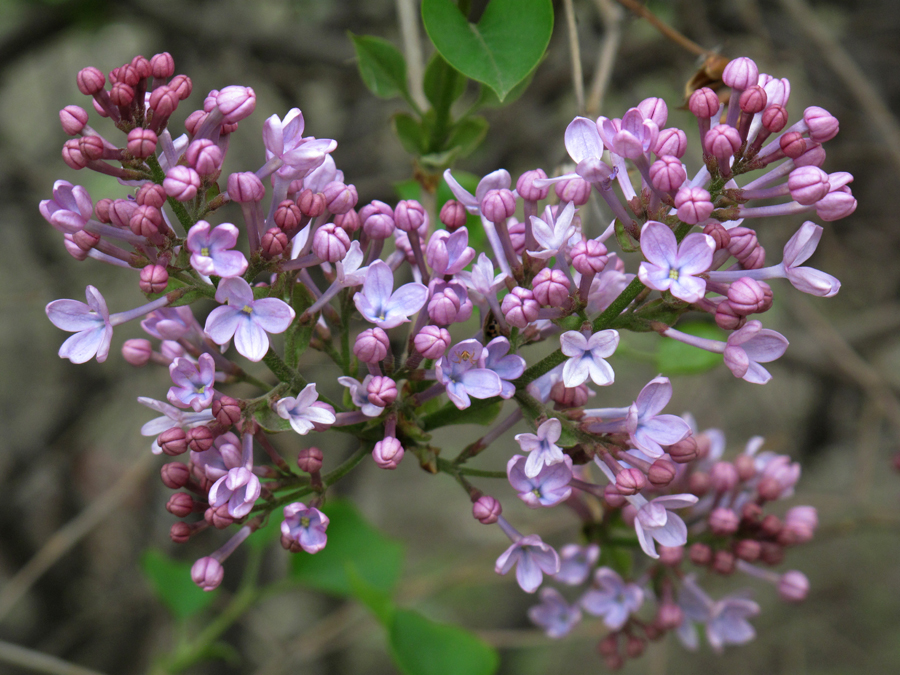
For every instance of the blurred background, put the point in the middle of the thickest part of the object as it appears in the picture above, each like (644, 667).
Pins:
(70, 433)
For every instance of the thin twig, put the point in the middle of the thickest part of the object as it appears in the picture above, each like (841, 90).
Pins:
(612, 16)
(575, 53)
(664, 28)
(412, 49)
(72, 532)
(40, 662)
(858, 84)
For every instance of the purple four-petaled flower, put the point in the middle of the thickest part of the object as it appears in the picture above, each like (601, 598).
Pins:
(671, 267)
(211, 252)
(548, 488)
(532, 559)
(380, 304)
(587, 357)
(193, 382)
(612, 598)
(542, 447)
(458, 371)
(556, 616)
(306, 526)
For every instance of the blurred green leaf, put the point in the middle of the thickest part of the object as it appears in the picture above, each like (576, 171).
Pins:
(268, 532)
(676, 358)
(410, 132)
(501, 49)
(381, 66)
(171, 581)
(449, 414)
(488, 99)
(377, 600)
(351, 540)
(439, 74)
(421, 646)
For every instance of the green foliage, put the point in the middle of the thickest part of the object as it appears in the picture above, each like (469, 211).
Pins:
(442, 84)
(501, 49)
(483, 414)
(676, 358)
(172, 583)
(381, 66)
(410, 132)
(193, 293)
(421, 646)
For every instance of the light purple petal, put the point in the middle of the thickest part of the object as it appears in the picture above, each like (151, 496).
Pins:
(251, 340)
(272, 315)
(696, 253)
(84, 345)
(655, 276)
(673, 533)
(583, 139)
(654, 397)
(688, 288)
(482, 383)
(658, 244)
(72, 315)
(813, 281)
(222, 323)
(601, 372)
(765, 346)
(802, 245)
(573, 343)
(665, 429)
(576, 371)
(235, 291)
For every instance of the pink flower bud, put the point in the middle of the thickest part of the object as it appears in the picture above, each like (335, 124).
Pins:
(498, 205)
(91, 148)
(704, 103)
(121, 94)
(142, 66)
(432, 342)
(802, 522)
(723, 521)
(771, 526)
(693, 204)
(74, 249)
(377, 220)
(669, 616)
(743, 244)
(815, 156)
(589, 256)
(194, 121)
(310, 460)
(700, 554)
(348, 222)
(152, 195)
(163, 102)
(129, 74)
(655, 110)
(409, 215)
(613, 497)
(746, 296)
(235, 103)
(90, 81)
(753, 100)
(72, 155)
(181, 183)
(747, 549)
(175, 475)
(173, 441)
(137, 352)
(741, 73)
(722, 141)
(568, 397)
(723, 563)
(793, 586)
(661, 473)
(382, 391)
(671, 556)
(245, 187)
(372, 345)
(671, 142)
(200, 439)
(667, 174)
(453, 215)
(793, 144)
(719, 234)
(684, 450)
(154, 279)
(727, 317)
(699, 483)
(724, 476)
(486, 510)
(745, 466)
(162, 65)
(823, 126)
(551, 287)
(836, 205)
(517, 235)
(99, 109)
(180, 532)
(519, 307)
(526, 188)
(311, 204)
(339, 198)
(630, 481)
(146, 221)
(775, 118)
(85, 240)
(287, 216)
(180, 505)
(218, 517)
(576, 190)
(141, 143)
(182, 86)
(444, 305)
(207, 573)
(387, 453)
(73, 119)
(330, 243)
(226, 410)
(204, 157)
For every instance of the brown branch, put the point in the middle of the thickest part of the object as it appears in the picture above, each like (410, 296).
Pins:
(681, 40)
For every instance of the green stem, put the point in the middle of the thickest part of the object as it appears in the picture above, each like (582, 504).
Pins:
(283, 371)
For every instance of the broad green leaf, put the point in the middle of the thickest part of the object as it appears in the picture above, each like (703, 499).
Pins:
(381, 66)
(488, 99)
(450, 414)
(421, 646)
(351, 540)
(501, 49)
(171, 581)
(467, 135)
(378, 601)
(676, 358)
(442, 84)
(410, 132)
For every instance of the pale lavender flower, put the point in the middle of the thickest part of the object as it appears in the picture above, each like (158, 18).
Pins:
(671, 267)
(458, 371)
(449, 253)
(631, 137)
(556, 616)
(381, 305)
(496, 180)
(194, 382)
(611, 598)
(548, 488)
(70, 209)
(247, 320)
(532, 559)
(359, 394)
(349, 272)
(654, 521)
(542, 447)
(728, 623)
(588, 357)
(304, 411)
(306, 526)
(239, 488)
(172, 417)
(751, 345)
(553, 234)
(171, 323)
(210, 250)
(576, 563)
(284, 142)
(225, 454)
(496, 357)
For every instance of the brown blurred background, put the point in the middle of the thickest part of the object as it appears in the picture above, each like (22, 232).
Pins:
(70, 432)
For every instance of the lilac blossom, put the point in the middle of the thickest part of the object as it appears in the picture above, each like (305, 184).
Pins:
(449, 253)
(70, 209)
(359, 394)
(611, 598)
(239, 488)
(496, 180)
(728, 623)
(306, 526)
(381, 305)
(483, 285)
(305, 411)
(172, 417)
(576, 563)
(458, 371)
(210, 250)
(531, 557)
(553, 233)
(671, 267)
(496, 357)
(193, 382)
(556, 616)
(630, 137)
(588, 357)
(247, 320)
(548, 488)
(287, 151)
(654, 521)
(225, 454)
(542, 447)
(171, 323)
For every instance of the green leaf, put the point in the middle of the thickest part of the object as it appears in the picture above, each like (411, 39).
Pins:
(408, 189)
(378, 601)
(193, 293)
(501, 49)
(676, 358)
(421, 646)
(476, 414)
(467, 135)
(488, 99)
(381, 66)
(440, 77)
(410, 132)
(171, 581)
(351, 540)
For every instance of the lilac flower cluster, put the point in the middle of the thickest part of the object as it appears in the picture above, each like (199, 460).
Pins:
(310, 256)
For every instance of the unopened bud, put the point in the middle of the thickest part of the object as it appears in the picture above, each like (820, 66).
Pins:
(310, 459)
(207, 573)
(486, 510)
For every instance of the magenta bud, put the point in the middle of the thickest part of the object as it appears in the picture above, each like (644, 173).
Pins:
(769, 489)
(693, 204)
(204, 156)
(339, 198)
(226, 410)
(181, 183)
(180, 505)
(154, 279)
(91, 147)
(432, 341)
(173, 441)
(331, 243)
(377, 220)
(630, 481)
(775, 118)
(372, 345)
(141, 143)
(723, 562)
(669, 616)
(218, 517)
(699, 483)
(667, 174)
(550, 287)
(73, 119)
(175, 475)
(162, 65)
(576, 190)
(453, 215)
(74, 249)
(719, 234)
(793, 144)
(151, 195)
(751, 514)
(200, 439)
(194, 121)
(671, 142)
(802, 521)
(700, 554)
(180, 532)
(410, 215)
(671, 556)
(72, 155)
(163, 102)
(771, 553)
(101, 209)
(519, 307)
(808, 184)
(722, 141)
(568, 397)
(310, 460)
(498, 205)
(235, 103)
(90, 81)
(723, 476)
(823, 126)
(743, 243)
(312, 204)
(486, 510)
(142, 66)
(382, 391)
(661, 473)
(387, 453)
(745, 466)
(836, 205)
(589, 256)
(121, 94)
(747, 549)
(746, 296)
(728, 318)
(273, 243)
(146, 221)
(793, 586)
(137, 352)
(207, 573)
(526, 188)
(182, 86)
(348, 222)
(287, 216)
(85, 240)
(723, 521)
(655, 110)
(753, 100)
(613, 497)
(245, 187)
(127, 74)
(704, 103)
(741, 73)
(815, 156)
(771, 525)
